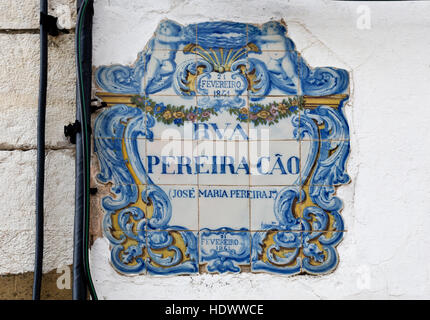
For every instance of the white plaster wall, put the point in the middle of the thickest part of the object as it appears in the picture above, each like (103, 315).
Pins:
(385, 252)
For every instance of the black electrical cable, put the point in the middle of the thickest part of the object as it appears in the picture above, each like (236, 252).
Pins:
(83, 65)
(40, 171)
(79, 291)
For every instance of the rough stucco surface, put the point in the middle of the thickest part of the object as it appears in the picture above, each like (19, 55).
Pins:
(19, 82)
(19, 78)
(24, 14)
(17, 173)
(385, 252)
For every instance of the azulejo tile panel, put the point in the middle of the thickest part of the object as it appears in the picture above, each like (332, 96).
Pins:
(224, 249)
(222, 150)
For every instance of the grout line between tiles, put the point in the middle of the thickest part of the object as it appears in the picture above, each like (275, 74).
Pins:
(226, 185)
(198, 178)
(249, 157)
(249, 185)
(234, 231)
(227, 140)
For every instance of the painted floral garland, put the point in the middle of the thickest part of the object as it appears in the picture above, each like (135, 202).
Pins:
(257, 113)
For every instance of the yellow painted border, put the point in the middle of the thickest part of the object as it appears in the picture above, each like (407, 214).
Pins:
(333, 101)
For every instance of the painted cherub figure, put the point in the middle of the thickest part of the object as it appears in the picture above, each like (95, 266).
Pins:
(280, 50)
(161, 53)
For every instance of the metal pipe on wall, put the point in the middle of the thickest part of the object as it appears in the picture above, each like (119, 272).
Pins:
(81, 273)
(40, 171)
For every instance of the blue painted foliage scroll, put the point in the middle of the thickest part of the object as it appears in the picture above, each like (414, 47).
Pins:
(306, 242)
(217, 46)
(255, 62)
(144, 235)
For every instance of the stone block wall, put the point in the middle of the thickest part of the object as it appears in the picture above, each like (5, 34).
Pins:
(19, 85)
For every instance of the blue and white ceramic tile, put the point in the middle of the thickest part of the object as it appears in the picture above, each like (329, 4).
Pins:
(175, 130)
(170, 60)
(226, 128)
(224, 206)
(185, 207)
(171, 162)
(224, 250)
(277, 252)
(283, 67)
(319, 251)
(111, 125)
(277, 116)
(223, 163)
(324, 122)
(257, 144)
(172, 252)
(274, 162)
(130, 219)
(128, 258)
(264, 209)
